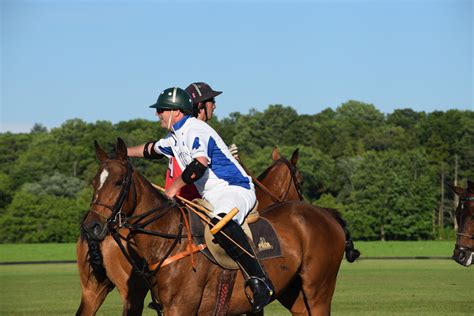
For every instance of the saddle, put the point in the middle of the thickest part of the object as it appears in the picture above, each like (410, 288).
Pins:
(259, 230)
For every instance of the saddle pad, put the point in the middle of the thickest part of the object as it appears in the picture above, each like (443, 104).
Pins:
(262, 232)
(265, 239)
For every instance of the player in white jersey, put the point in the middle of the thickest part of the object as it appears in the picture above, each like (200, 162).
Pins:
(219, 178)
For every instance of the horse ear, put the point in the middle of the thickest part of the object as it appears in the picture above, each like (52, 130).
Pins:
(275, 154)
(121, 149)
(457, 190)
(99, 152)
(295, 156)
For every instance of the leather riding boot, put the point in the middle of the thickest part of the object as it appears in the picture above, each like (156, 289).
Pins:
(257, 279)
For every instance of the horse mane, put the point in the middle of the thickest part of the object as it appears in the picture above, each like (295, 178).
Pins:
(94, 256)
(351, 253)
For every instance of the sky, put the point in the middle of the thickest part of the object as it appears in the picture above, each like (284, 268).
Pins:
(109, 60)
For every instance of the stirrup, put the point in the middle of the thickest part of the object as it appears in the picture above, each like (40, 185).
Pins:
(156, 306)
(268, 288)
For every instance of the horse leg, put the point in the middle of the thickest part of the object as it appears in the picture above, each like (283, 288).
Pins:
(92, 297)
(293, 298)
(321, 262)
(319, 302)
(133, 295)
(131, 286)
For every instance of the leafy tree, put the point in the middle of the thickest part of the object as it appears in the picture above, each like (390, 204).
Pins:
(56, 185)
(382, 172)
(393, 192)
(32, 218)
(6, 191)
(354, 120)
(317, 170)
(38, 128)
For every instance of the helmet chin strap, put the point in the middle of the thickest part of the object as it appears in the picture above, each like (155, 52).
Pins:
(169, 119)
(205, 112)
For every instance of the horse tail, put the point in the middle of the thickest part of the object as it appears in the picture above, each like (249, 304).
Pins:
(95, 257)
(351, 252)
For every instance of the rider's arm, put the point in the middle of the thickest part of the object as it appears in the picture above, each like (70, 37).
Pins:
(148, 150)
(136, 151)
(191, 173)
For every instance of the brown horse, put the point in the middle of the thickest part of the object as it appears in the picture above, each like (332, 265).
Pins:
(105, 267)
(464, 247)
(312, 241)
(284, 179)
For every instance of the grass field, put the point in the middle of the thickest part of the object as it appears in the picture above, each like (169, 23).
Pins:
(370, 249)
(366, 287)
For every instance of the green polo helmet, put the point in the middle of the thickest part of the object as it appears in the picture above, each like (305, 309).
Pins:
(174, 99)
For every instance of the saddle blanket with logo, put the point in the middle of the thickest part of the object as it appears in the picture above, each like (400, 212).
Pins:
(264, 237)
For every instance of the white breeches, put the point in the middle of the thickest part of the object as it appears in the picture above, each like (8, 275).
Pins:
(225, 199)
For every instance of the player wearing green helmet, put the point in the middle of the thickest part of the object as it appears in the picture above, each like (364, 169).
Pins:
(208, 164)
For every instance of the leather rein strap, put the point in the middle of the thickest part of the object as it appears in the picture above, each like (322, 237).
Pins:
(267, 191)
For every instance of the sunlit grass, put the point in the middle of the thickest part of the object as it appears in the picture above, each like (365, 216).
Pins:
(366, 287)
(43, 252)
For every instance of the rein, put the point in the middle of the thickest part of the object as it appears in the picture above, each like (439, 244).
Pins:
(271, 194)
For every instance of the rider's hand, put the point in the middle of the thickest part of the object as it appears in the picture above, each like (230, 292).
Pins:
(234, 150)
(171, 192)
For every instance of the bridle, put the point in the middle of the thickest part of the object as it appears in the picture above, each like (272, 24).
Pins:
(117, 217)
(298, 185)
(465, 199)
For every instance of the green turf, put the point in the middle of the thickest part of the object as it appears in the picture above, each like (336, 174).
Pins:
(405, 248)
(40, 252)
(366, 287)
(37, 252)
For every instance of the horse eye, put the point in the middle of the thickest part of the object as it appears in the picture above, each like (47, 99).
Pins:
(119, 182)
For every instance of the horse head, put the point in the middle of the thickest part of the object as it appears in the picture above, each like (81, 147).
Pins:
(111, 200)
(464, 248)
(282, 179)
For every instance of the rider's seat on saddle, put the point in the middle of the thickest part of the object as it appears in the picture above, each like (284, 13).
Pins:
(257, 228)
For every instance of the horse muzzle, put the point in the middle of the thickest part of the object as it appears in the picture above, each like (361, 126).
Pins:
(463, 256)
(96, 230)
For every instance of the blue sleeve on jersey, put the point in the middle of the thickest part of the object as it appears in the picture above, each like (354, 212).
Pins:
(166, 150)
(223, 167)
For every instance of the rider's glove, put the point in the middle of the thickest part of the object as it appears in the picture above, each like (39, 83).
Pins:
(234, 150)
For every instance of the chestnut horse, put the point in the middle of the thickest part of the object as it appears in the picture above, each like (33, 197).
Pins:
(276, 185)
(312, 242)
(105, 267)
(464, 247)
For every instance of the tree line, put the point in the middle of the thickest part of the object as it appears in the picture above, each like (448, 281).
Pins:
(386, 173)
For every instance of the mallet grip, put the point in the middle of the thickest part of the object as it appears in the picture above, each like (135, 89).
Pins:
(217, 227)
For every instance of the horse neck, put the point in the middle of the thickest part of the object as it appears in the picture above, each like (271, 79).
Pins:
(168, 217)
(147, 197)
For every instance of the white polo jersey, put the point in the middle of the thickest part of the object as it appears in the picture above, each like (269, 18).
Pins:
(190, 138)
